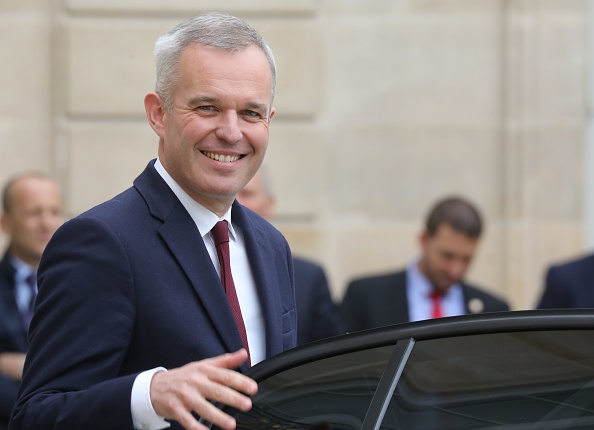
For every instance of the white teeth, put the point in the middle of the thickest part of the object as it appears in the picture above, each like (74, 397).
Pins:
(221, 158)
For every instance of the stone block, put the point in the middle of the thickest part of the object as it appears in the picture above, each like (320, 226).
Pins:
(105, 158)
(295, 161)
(191, 6)
(396, 173)
(110, 66)
(26, 145)
(414, 68)
(26, 64)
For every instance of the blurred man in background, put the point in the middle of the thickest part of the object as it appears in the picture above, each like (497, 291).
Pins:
(317, 314)
(31, 213)
(432, 286)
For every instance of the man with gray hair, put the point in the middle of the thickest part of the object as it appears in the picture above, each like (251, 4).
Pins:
(149, 302)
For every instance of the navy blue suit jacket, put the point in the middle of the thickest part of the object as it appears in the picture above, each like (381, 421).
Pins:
(569, 285)
(378, 301)
(317, 314)
(128, 286)
(13, 336)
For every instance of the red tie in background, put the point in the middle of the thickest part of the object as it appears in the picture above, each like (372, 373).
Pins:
(220, 234)
(436, 300)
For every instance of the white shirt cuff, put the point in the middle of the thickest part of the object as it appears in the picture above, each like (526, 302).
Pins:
(144, 416)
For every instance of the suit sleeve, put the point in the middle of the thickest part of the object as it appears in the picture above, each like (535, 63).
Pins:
(8, 394)
(329, 323)
(350, 308)
(84, 318)
(554, 296)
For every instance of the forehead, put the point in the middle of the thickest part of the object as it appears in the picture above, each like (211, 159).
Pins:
(447, 237)
(33, 188)
(219, 72)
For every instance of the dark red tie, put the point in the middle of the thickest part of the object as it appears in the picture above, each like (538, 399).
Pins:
(436, 300)
(220, 234)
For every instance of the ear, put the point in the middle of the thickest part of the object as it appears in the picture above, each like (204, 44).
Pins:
(155, 113)
(5, 223)
(271, 114)
(423, 239)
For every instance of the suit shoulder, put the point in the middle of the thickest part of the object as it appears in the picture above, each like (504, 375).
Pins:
(392, 279)
(115, 206)
(579, 265)
(474, 291)
(306, 265)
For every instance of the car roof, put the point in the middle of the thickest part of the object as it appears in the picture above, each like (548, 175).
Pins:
(496, 322)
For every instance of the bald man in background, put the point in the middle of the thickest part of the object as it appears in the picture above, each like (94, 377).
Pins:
(317, 314)
(31, 213)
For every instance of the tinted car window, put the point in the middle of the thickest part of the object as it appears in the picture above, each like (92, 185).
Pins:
(332, 393)
(526, 380)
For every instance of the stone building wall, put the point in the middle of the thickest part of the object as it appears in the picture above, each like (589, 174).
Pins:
(382, 108)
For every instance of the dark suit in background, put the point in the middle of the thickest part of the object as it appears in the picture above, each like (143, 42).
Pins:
(569, 285)
(317, 314)
(382, 300)
(135, 274)
(13, 336)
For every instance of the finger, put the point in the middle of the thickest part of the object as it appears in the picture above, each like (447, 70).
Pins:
(226, 394)
(231, 360)
(179, 408)
(219, 372)
(234, 380)
(188, 422)
(212, 413)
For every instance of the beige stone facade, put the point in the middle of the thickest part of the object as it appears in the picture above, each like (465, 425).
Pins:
(383, 107)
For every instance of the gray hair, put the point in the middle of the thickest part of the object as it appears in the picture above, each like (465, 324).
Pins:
(212, 29)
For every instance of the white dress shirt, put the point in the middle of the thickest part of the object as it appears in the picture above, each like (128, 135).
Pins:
(143, 414)
(418, 292)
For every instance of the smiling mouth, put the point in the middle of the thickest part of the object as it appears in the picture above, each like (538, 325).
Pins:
(221, 158)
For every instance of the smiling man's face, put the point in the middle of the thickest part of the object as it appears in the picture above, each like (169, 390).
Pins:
(215, 137)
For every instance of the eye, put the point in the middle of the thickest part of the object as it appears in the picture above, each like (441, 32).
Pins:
(206, 108)
(251, 114)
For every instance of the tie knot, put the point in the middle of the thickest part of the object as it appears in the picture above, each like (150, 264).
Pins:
(435, 295)
(220, 233)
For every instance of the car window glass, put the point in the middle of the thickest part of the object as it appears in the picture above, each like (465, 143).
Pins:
(332, 393)
(497, 381)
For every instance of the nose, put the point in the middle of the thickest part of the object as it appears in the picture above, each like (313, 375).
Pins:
(50, 220)
(456, 269)
(228, 127)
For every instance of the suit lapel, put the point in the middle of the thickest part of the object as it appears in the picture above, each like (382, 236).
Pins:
(11, 315)
(473, 304)
(186, 245)
(261, 260)
(400, 299)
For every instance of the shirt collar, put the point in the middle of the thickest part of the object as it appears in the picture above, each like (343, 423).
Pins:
(23, 270)
(421, 284)
(203, 218)
(420, 281)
